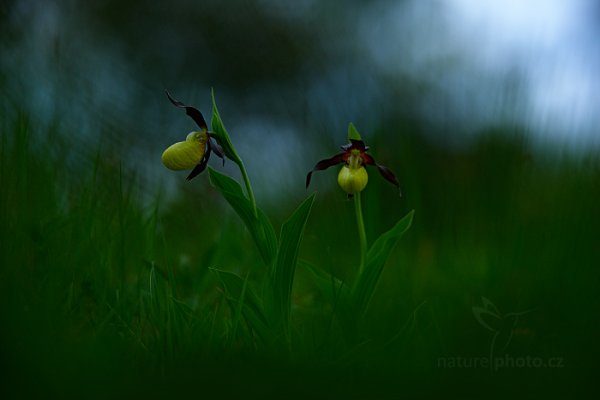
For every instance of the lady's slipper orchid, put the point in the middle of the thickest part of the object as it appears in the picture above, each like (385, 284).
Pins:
(194, 152)
(353, 176)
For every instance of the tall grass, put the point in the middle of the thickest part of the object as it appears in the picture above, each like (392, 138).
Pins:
(99, 290)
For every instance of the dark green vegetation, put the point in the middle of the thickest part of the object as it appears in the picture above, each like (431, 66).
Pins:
(101, 289)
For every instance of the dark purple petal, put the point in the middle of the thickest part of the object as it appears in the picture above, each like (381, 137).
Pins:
(200, 167)
(216, 147)
(194, 113)
(388, 175)
(358, 145)
(368, 159)
(324, 164)
(383, 170)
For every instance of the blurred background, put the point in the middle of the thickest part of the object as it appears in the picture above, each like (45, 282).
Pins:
(486, 110)
(289, 77)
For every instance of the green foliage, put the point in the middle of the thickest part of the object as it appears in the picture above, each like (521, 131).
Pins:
(260, 228)
(246, 301)
(98, 282)
(377, 256)
(328, 285)
(280, 255)
(353, 132)
(287, 255)
(353, 302)
(220, 133)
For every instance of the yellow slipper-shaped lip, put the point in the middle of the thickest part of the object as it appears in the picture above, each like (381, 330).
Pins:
(187, 154)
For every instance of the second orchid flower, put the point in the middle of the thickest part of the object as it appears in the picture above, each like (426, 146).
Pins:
(353, 176)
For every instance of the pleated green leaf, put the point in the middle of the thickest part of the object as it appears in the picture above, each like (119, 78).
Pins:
(376, 258)
(220, 133)
(331, 287)
(287, 255)
(259, 226)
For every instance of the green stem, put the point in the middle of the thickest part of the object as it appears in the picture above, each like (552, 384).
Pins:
(248, 186)
(361, 231)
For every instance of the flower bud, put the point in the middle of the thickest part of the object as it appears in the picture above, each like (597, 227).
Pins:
(353, 180)
(187, 154)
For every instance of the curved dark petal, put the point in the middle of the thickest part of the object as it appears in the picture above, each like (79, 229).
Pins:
(388, 175)
(324, 164)
(194, 113)
(216, 147)
(200, 167)
(368, 159)
(383, 170)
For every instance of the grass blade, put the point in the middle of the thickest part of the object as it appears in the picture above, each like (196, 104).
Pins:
(244, 300)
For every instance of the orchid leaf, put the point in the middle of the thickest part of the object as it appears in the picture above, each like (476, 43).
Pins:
(287, 255)
(331, 287)
(259, 226)
(375, 261)
(221, 135)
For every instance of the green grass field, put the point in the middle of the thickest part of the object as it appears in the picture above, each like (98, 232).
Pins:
(104, 292)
